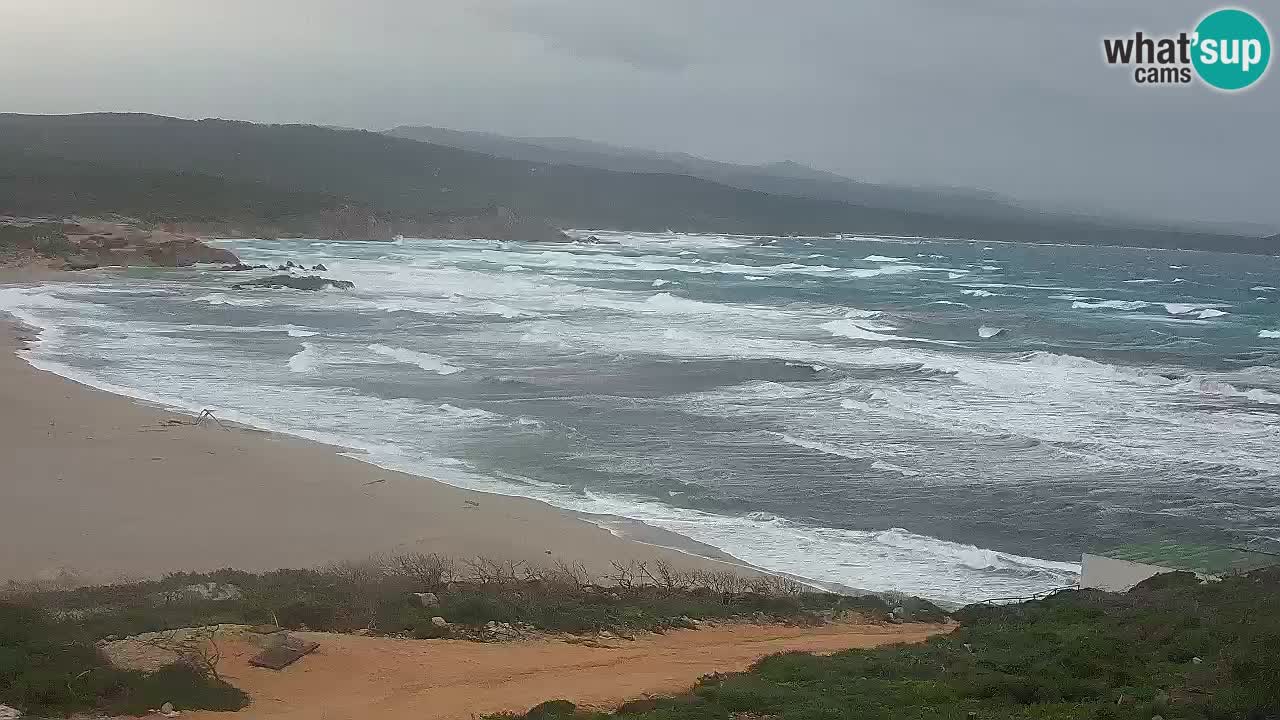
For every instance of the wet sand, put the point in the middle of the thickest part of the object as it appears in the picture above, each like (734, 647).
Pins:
(98, 487)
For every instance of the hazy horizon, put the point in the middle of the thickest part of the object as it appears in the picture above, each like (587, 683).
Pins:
(1014, 99)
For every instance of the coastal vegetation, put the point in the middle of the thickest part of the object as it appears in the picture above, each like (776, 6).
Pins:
(1172, 647)
(43, 238)
(382, 596)
(51, 666)
(50, 661)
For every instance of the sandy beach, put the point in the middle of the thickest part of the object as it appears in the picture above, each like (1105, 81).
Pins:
(98, 487)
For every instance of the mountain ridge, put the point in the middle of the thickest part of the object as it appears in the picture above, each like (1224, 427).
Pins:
(404, 182)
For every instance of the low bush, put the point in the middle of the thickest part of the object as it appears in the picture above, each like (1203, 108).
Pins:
(51, 668)
(1169, 648)
(379, 596)
(46, 239)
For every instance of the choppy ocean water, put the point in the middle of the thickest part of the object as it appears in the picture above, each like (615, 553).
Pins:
(947, 418)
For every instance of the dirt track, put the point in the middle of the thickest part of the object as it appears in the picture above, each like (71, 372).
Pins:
(371, 678)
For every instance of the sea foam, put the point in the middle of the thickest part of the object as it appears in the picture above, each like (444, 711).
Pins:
(426, 361)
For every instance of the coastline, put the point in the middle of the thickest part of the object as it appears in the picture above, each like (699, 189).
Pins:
(100, 487)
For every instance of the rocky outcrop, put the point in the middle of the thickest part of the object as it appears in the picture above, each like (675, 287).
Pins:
(241, 267)
(296, 282)
(84, 245)
(183, 252)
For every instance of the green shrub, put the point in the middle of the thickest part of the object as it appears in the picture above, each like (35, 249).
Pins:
(552, 710)
(183, 685)
(50, 668)
(1078, 654)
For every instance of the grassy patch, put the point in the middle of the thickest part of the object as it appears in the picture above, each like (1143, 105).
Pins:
(1168, 648)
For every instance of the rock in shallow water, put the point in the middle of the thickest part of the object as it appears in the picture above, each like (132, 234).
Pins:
(306, 282)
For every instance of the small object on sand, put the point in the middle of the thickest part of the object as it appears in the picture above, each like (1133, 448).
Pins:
(9, 713)
(166, 708)
(375, 482)
(471, 503)
(206, 415)
(439, 622)
(285, 654)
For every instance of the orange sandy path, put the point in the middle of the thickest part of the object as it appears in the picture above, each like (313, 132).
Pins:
(352, 677)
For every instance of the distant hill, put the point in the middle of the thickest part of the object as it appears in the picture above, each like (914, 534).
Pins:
(783, 178)
(289, 175)
(788, 178)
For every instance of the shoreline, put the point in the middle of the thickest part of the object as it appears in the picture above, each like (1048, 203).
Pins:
(181, 496)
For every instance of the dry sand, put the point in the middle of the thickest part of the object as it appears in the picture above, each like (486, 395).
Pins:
(99, 487)
(354, 678)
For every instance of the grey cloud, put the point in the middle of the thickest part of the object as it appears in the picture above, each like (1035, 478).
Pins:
(606, 29)
(1010, 96)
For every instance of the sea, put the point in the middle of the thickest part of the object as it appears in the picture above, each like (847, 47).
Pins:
(952, 419)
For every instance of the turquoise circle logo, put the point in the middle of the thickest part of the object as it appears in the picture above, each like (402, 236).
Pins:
(1232, 49)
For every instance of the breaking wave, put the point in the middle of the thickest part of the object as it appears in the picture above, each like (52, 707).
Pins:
(1109, 304)
(426, 361)
(305, 360)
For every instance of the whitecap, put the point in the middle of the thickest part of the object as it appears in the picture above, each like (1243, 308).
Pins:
(469, 413)
(1210, 313)
(1270, 334)
(218, 298)
(426, 361)
(305, 360)
(853, 331)
(890, 467)
(882, 258)
(1109, 304)
(506, 311)
(825, 448)
(1186, 308)
(978, 293)
(660, 282)
(989, 332)
(1143, 281)
(857, 330)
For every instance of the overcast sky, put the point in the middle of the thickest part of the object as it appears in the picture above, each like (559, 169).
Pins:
(1008, 96)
